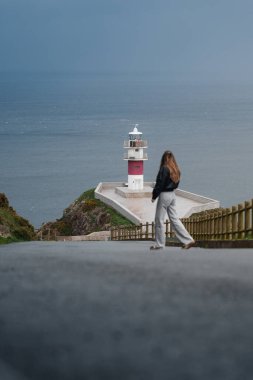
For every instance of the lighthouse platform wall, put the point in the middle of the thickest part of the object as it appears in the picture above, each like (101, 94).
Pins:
(105, 192)
(136, 205)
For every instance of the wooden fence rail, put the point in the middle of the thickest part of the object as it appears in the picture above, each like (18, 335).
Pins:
(220, 224)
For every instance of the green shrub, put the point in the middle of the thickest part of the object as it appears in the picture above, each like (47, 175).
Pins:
(89, 204)
(23, 233)
(89, 194)
(63, 227)
(8, 240)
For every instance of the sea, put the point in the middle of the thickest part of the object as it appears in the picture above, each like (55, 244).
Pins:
(63, 133)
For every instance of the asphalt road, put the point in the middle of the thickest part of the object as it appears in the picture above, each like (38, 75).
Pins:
(115, 310)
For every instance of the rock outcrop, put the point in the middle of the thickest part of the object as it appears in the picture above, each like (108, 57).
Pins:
(82, 217)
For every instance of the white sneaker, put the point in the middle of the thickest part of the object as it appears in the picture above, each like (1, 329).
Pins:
(153, 247)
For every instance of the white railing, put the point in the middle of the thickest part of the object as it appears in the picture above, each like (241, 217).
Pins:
(135, 144)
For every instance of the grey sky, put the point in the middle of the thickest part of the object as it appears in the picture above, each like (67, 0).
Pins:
(182, 37)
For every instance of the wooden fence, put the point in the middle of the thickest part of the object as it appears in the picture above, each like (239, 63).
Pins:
(219, 224)
(141, 232)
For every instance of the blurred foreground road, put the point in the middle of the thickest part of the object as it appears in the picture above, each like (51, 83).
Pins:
(115, 310)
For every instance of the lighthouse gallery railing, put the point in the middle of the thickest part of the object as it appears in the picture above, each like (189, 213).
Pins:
(135, 144)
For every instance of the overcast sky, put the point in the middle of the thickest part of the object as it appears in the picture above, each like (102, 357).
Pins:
(210, 38)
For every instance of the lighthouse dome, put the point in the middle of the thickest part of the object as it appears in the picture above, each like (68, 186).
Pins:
(135, 131)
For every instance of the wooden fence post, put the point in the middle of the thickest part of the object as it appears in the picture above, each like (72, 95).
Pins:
(147, 225)
(153, 231)
(198, 228)
(208, 227)
(203, 225)
(199, 225)
(228, 224)
(218, 225)
(204, 231)
(195, 227)
(234, 222)
(247, 219)
(223, 224)
(240, 221)
(212, 226)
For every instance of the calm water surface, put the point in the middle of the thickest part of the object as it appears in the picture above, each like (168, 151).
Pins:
(62, 134)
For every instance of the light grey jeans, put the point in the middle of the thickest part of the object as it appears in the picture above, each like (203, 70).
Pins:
(167, 204)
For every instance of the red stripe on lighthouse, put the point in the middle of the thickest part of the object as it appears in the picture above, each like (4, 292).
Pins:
(135, 167)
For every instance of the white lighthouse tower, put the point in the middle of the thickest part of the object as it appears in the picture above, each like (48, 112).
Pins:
(135, 156)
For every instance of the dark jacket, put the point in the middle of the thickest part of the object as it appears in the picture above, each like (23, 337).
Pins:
(163, 182)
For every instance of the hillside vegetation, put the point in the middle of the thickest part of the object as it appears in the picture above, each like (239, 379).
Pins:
(13, 227)
(84, 216)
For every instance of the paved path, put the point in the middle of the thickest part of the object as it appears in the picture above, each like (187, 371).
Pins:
(115, 310)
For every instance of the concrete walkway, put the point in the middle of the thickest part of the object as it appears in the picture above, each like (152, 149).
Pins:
(115, 310)
(137, 206)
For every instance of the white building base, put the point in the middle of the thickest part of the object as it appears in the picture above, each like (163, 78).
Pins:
(135, 182)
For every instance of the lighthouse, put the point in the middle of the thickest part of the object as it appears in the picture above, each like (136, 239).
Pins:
(132, 199)
(135, 156)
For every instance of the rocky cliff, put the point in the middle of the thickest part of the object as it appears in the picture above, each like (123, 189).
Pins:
(84, 216)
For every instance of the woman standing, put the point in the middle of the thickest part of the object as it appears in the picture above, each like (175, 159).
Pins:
(167, 181)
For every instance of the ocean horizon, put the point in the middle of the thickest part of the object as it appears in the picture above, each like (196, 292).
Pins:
(62, 134)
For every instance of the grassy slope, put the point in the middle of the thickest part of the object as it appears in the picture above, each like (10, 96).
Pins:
(20, 229)
(116, 218)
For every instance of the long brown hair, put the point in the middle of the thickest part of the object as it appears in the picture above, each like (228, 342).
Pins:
(168, 160)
